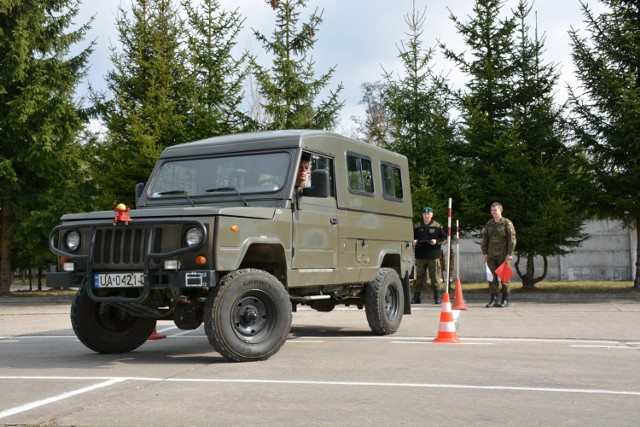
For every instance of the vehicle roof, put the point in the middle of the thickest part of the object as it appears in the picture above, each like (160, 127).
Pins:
(266, 140)
(249, 141)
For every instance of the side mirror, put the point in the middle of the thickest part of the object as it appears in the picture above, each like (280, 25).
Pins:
(139, 190)
(320, 184)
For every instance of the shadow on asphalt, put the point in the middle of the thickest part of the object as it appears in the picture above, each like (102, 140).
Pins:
(325, 331)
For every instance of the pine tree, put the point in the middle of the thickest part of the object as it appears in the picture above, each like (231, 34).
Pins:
(216, 77)
(39, 120)
(608, 111)
(419, 111)
(289, 88)
(145, 108)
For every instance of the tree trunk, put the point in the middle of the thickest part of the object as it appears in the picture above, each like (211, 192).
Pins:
(5, 251)
(528, 279)
(636, 281)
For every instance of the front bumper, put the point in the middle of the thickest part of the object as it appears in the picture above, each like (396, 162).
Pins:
(164, 280)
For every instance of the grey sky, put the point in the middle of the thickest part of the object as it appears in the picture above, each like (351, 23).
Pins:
(360, 37)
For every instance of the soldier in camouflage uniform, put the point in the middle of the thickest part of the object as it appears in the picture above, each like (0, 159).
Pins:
(498, 244)
(428, 238)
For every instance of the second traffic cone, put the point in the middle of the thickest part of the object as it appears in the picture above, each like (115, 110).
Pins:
(155, 335)
(447, 329)
(458, 301)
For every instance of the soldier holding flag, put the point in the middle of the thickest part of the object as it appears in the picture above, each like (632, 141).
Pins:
(498, 244)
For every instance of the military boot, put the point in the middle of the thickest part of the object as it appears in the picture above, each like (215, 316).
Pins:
(436, 297)
(493, 302)
(505, 301)
(416, 298)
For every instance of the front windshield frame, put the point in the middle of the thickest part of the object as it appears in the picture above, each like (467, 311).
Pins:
(220, 176)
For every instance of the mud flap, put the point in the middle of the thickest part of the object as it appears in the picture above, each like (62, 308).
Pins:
(407, 293)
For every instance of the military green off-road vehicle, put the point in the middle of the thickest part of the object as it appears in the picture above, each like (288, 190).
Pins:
(222, 235)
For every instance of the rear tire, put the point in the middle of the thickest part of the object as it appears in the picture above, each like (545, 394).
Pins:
(384, 302)
(105, 328)
(247, 317)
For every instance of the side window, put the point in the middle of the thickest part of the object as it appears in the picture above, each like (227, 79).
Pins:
(321, 162)
(359, 173)
(391, 181)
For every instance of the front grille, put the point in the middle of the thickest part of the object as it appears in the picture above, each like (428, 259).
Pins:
(123, 246)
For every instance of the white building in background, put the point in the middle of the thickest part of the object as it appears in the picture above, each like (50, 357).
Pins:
(609, 253)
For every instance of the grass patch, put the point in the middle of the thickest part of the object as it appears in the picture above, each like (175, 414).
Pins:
(574, 287)
(43, 293)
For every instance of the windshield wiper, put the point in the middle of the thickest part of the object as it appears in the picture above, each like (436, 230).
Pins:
(178, 193)
(213, 190)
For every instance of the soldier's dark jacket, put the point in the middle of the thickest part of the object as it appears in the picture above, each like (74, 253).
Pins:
(498, 238)
(422, 233)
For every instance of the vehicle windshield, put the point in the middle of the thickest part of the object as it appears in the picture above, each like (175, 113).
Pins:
(237, 174)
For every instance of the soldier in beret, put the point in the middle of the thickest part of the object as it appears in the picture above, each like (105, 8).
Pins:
(428, 238)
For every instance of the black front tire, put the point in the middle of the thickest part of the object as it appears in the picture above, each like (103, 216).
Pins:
(105, 328)
(384, 302)
(247, 317)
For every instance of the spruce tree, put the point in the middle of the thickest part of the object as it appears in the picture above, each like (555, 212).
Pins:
(419, 116)
(288, 88)
(607, 108)
(145, 108)
(485, 109)
(518, 148)
(547, 173)
(215, 76)
(40, 122)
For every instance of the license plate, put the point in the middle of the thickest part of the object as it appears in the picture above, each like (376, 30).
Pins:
(119, 280)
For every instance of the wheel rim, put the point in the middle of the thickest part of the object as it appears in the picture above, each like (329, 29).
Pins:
(391, 300)
(252, 316)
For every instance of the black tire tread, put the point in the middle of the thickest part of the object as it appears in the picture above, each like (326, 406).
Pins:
(378, 320)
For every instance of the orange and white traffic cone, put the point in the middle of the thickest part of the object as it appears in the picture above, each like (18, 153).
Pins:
(447, 329)
(458, 302)
(155, 335)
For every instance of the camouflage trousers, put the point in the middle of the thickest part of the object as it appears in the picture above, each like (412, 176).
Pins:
(494, 285)
(427, 268)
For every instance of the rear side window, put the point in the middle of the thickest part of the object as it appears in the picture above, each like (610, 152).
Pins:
(391, 181)
(359, 172)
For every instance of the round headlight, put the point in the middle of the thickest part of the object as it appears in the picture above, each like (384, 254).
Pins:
(193, 236)
(72, 240)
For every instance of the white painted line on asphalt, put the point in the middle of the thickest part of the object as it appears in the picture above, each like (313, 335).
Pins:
(115, 380)
(431, 342)
(303, 341)
(22, 338)
(616, 347)
(42, 402)
(178, 334)
(549, 340)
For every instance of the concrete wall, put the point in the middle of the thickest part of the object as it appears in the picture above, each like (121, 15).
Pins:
(608, 254)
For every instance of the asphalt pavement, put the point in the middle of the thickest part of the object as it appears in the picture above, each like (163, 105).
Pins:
(558, 361)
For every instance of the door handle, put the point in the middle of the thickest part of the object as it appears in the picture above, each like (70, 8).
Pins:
(333, 221)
